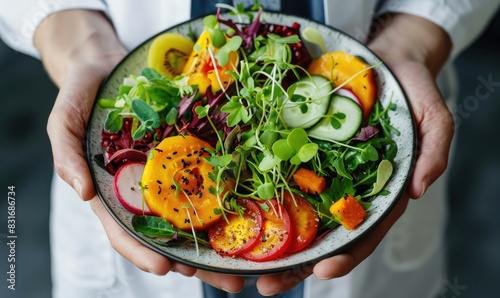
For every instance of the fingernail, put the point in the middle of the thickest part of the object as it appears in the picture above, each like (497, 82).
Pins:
(155, 273)
(227, 291)
(77, 186)
(425, 185)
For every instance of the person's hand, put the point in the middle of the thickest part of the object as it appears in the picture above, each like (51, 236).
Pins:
(81, 51)
(415, 50)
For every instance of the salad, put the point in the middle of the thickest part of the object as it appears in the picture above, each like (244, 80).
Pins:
(239, 139)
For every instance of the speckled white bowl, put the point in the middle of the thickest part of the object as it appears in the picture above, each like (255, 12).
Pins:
(333, 243)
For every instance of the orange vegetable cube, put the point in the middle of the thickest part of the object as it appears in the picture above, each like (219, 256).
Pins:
(308, 181)
(349, 210)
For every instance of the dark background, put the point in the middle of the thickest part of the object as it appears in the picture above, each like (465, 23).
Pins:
(26, 95)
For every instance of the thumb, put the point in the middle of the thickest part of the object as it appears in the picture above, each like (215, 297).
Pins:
(66, 128)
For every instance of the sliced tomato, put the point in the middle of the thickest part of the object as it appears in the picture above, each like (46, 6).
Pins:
(276, 236)
(304, 221)
(238, 234)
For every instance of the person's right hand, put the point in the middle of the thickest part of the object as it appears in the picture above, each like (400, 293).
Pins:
(78, 49)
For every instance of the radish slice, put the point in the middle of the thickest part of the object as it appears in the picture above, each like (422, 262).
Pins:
(126, 186)
(348, 93)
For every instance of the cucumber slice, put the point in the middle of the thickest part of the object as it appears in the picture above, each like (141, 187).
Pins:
(309, 102)
(347, 117)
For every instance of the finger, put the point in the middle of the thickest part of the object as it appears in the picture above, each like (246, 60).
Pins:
(342, 264)
(131, 249)
(436, 130)
(434, 126)
(269, 285)
(66, 130)
(227, 283)
(183, 269)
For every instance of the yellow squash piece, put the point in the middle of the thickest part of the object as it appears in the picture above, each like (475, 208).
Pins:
(168, 54)
(203, 70)
(176, 183)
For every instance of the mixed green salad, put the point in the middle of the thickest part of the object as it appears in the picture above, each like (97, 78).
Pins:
(237, 138)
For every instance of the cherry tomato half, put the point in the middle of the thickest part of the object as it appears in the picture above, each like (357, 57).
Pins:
(238, 234)
(304, 221)
(276, 236)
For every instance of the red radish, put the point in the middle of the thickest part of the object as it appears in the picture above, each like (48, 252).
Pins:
(126, 186)
(348, 93)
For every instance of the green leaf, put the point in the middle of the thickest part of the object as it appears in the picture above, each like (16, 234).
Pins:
(282, 150)
(369, 153)
(145, 113)
(153, 226)
(295, 160)
(298, 98)
(340, 116)
(217, 37)
(202, 111)
(237, 113)
(150, 73)
(171, 117)
(268, 137)
(268, 162)
(335, 123)
(284, 40)
(297, 138)
(339, 166)
(140, 132)
(232, 45)
(291, 92)
(340, 188)
(159, 96)
(266, 191)
(210, 21)
(384, 172)
(391, 152)
(264, 207)
(308, 151)
(220, 161)
(365, 205)
(114, 121)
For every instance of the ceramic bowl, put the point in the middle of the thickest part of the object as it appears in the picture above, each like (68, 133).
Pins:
(334, 242)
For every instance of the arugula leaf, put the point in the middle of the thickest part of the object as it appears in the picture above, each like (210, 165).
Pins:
(153, 226)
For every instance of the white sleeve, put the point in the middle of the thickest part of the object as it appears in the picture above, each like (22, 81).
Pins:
(464, 20)
(19, 19)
